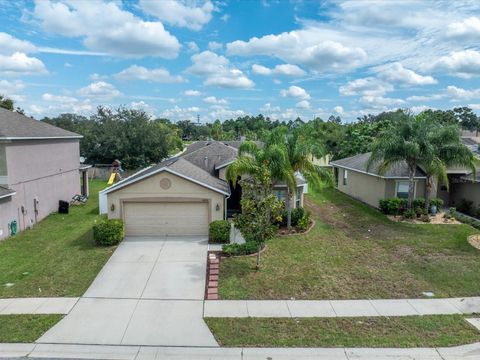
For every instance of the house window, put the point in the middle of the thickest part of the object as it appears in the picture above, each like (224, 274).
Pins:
(345, 177)
(298, 197)
(402, 189)
(280, 194)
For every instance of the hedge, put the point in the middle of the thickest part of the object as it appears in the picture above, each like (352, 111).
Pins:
(219, 231)
(250, 247)
(467, 219)
(108, 232)
(397, 206)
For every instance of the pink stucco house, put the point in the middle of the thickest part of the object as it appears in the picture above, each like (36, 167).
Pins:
(39, 165)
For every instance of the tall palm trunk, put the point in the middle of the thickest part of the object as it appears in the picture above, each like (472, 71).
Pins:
(428, 192)
(411, 185)
(288, 204)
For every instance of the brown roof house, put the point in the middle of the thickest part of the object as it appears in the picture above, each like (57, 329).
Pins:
(352, 178)
(39, 165)
(181, 195)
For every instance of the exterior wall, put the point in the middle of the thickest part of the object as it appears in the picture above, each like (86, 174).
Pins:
(391, 186)
(149, 189)
(45, 170)
(366, 188)
(222, 173)
(469, 191)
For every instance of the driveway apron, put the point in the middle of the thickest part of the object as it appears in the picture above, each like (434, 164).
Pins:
(150, 292)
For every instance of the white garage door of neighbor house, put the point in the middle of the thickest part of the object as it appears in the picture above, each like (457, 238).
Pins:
(165, 218)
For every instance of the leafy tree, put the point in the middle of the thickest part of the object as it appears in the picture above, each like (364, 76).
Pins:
(6, 103)
(467, 118)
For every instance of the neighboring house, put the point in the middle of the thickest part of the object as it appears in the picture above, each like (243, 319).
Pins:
(352, 178)
(181, 195)
(39, 165)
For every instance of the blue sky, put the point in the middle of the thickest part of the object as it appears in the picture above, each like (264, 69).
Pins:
(223, 59)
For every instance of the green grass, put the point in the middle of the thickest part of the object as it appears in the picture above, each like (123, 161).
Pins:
(355, 252)
(25, 328)
(398, 332)
(57, 257)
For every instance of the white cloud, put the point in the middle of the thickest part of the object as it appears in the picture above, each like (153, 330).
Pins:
(222, 113)
(192, 47)
(105, 27)
(9, 87)
(225, 17)
(58, 98)
(462, 94)
(178, 13)
(142, 105)
(214, 100)
(380, 102)
(192, 93)
(177, 113)
(304, 104)
(97, 77)
(218, 71)
(160, 75)
(214, 45)
(283, 69)
(426, 97)
(268, 108)
(397, 73)
(338, 109)
(100, 90)
(54, 108)
(10, 45)
(464, 63)
(20, 64)
(305, 47)
(466, 29)
(368, 86)
(296, 92)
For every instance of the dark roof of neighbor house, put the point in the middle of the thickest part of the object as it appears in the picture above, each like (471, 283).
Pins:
(211, 155)
(15, 126)
(5, 192)
(180, 167)
(472, 144)
(359, 163)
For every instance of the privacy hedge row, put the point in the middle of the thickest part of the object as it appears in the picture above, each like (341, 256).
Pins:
(466, 219)
(108, 232)
(219, 231)
(397, 206)
(250, 247)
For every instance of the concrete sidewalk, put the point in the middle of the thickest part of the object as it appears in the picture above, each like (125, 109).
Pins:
(467, 352)
(57, 305)
(340, 308)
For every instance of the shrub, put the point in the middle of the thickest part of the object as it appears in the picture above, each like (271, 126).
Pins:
(419, 203)
(437, 202)
(467, 219)
(303, 223)
(250, 247)
(219, 231)
(108, 232)
(425, 218)
(409, 214)
(420, 211)
(393, 206)
(465, 206)
(297, 215)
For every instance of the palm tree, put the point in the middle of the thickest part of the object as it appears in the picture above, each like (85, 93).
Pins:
(448, 150)
(406, 141)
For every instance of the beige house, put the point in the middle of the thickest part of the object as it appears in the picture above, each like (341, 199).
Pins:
(39, 165)
(352, 178)
(181, 195)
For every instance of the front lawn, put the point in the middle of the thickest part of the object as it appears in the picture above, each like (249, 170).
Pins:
(25, 328)
(355, 252)
(398, 332)
(57, 257)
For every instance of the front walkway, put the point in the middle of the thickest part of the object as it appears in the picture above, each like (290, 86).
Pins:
(150, 292)
(340, 308)
(56, 305)
(464, 352)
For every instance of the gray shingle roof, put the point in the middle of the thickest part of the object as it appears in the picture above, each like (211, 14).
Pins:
(4, 192)
(359, 163)
(14, 125)
(211, 155)
(472, 144)
(181, 167)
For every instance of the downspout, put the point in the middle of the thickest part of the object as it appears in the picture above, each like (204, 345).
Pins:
(225, 201)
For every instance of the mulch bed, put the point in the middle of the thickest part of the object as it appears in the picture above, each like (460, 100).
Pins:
(474, 240)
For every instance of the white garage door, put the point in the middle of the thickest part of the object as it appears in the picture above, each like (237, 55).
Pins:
(151, 219)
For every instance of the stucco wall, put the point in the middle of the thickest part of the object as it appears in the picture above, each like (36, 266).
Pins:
(149, 189)
(366, 188)
(46, 170)
(469, 191)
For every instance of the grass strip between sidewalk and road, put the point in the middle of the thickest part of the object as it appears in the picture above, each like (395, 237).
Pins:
(374, 332)
(25, 328)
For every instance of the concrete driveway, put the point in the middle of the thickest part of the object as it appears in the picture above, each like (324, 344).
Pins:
(150, 292)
